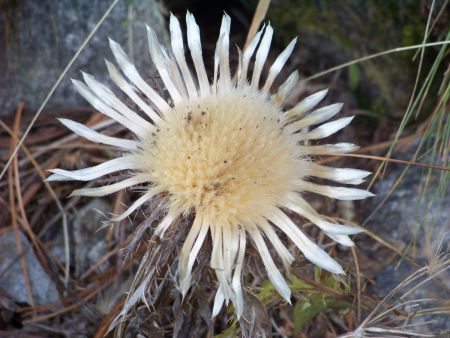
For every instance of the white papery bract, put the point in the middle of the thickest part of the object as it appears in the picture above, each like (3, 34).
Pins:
(224, 151)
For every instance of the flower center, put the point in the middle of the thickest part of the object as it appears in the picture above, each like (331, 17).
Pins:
(225, 156)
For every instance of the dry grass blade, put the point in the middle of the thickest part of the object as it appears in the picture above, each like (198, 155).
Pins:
(376, 55)
(435, 21)
(422, 54)
(381, 323)
(393, 160)
(23, 220)
(358, 285)
(12, 203)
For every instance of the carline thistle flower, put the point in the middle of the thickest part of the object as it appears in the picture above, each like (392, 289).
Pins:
(224, 151)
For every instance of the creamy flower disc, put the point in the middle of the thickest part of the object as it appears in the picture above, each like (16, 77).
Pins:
(224, 151)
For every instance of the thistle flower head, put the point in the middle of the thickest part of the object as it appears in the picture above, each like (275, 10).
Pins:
(222, 150)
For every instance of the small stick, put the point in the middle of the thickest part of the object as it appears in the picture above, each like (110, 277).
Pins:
(260, 14)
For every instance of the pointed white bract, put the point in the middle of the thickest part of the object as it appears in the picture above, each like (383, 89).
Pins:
(138, 203)
(97, 137)
(92, 173)
(206, 150)
(317, 116)
(261, 55)
(133, 75)
(328, 149)
(274, 274)
(222, 54)
(161, 65)
(341, 175)
(112, 188)
(285, 255)
(195, 46)
(300, 206)
(305, 105)
(97, 103)
(324, 130)
(107, 96)
(311, 251)
(190, 250)
(130, 91)
(285, 89)
(340, 193)
(236, 282)
(176, 39)
(275, 69)
(248, 53)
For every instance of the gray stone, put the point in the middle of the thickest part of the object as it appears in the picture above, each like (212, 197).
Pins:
(42, 36)
(12, 281)
(406, 216)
